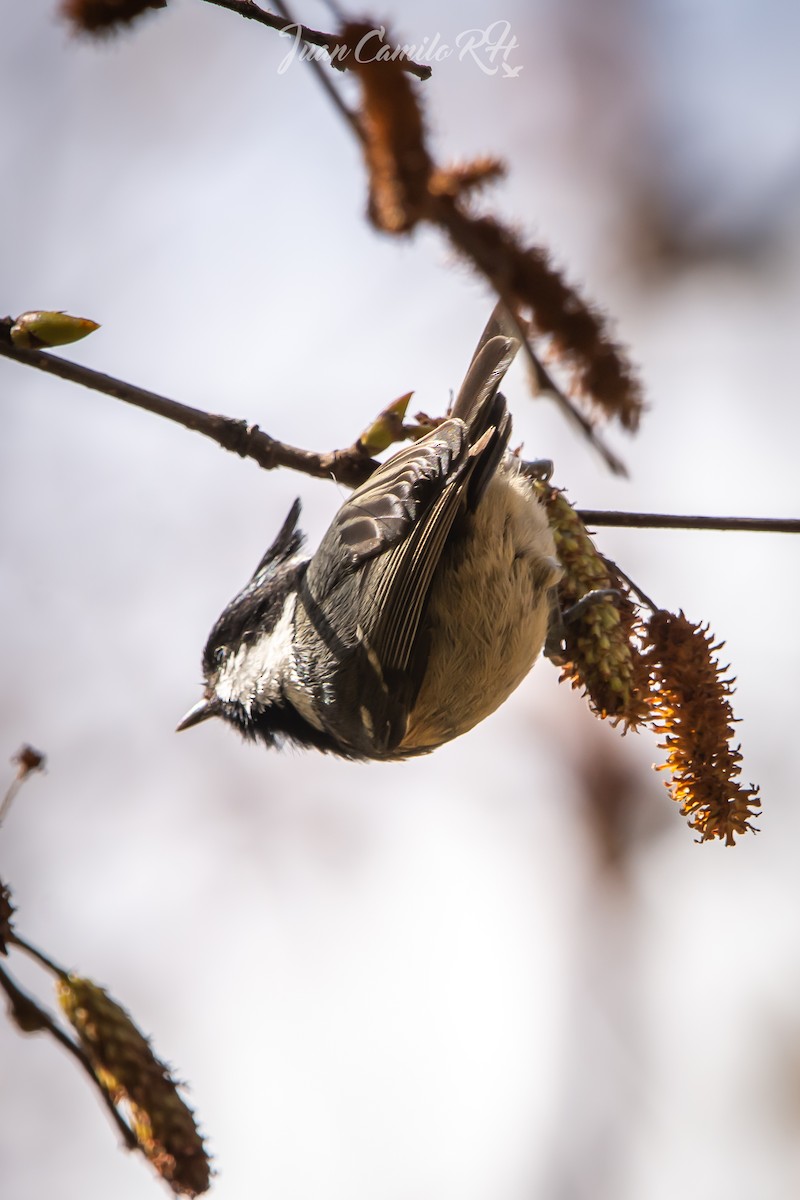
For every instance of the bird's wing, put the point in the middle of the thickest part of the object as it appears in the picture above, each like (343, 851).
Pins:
(395, 586)
(482, 373)
(394, 528)
(405, 489)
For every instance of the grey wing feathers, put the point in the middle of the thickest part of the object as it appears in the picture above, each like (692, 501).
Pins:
(400, 582)
(500, 323)
(383, 510)
(398, 585)
(488, 366)
(481, 407)
(389, 536)
(366, 587)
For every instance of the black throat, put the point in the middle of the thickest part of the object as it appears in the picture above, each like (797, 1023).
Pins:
(280, 723)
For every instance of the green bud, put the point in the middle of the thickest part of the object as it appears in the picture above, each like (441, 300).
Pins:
(42, 329)
(387, 428)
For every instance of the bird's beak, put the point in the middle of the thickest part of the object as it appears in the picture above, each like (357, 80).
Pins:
(199, 712)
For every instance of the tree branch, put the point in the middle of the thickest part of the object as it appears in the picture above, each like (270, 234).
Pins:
(323, 76)
(545, 382)
(30, 1017)
(638, 520)
(350, 466)
(327, 41)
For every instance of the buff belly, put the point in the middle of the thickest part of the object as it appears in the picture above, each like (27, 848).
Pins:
(488, 613)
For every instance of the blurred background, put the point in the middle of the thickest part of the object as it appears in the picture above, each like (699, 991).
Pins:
(505, 972)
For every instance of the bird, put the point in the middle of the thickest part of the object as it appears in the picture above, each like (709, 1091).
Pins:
(424, 607)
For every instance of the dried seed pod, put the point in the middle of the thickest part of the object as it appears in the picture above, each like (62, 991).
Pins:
(393, 126)
(692, 709)
(28, 759)
(466, 178)
(408, 187)
(99, 17)
(602, 652)
(602, 378)
(126, 1067)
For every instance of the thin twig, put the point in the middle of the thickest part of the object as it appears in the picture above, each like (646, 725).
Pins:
(28, 760)
(442, 214)
(350, 467)
(30, 1017)
(634, 587)
(13, 788)
(39, 955)
(637, 520)
(544, 379)
(546, 383)
(350, 117)
(328, 41)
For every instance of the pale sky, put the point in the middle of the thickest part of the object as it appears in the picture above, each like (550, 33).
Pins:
(395, 982)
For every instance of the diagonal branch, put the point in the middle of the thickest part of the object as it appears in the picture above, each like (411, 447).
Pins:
(543, 378)
(544, 382)
(350, 466)
(312, 37)
(30, 1017)
(326, 83)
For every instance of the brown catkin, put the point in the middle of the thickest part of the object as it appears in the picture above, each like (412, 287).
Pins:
(101, 17)
(407, 187)
(392, 123)
(602, 653)
(693, 712)
(126, 1067)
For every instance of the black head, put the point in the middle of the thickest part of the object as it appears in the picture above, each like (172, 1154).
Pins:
(249, 644)
(256, 611)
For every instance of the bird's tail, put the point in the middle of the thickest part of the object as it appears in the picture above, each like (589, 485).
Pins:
(480, 405)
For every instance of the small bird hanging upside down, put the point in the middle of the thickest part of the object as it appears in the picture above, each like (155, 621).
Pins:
(425, 606)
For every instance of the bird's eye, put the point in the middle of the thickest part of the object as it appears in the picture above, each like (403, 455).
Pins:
(219, 653)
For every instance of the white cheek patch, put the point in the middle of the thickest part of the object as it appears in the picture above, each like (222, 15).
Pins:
(258, 670)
